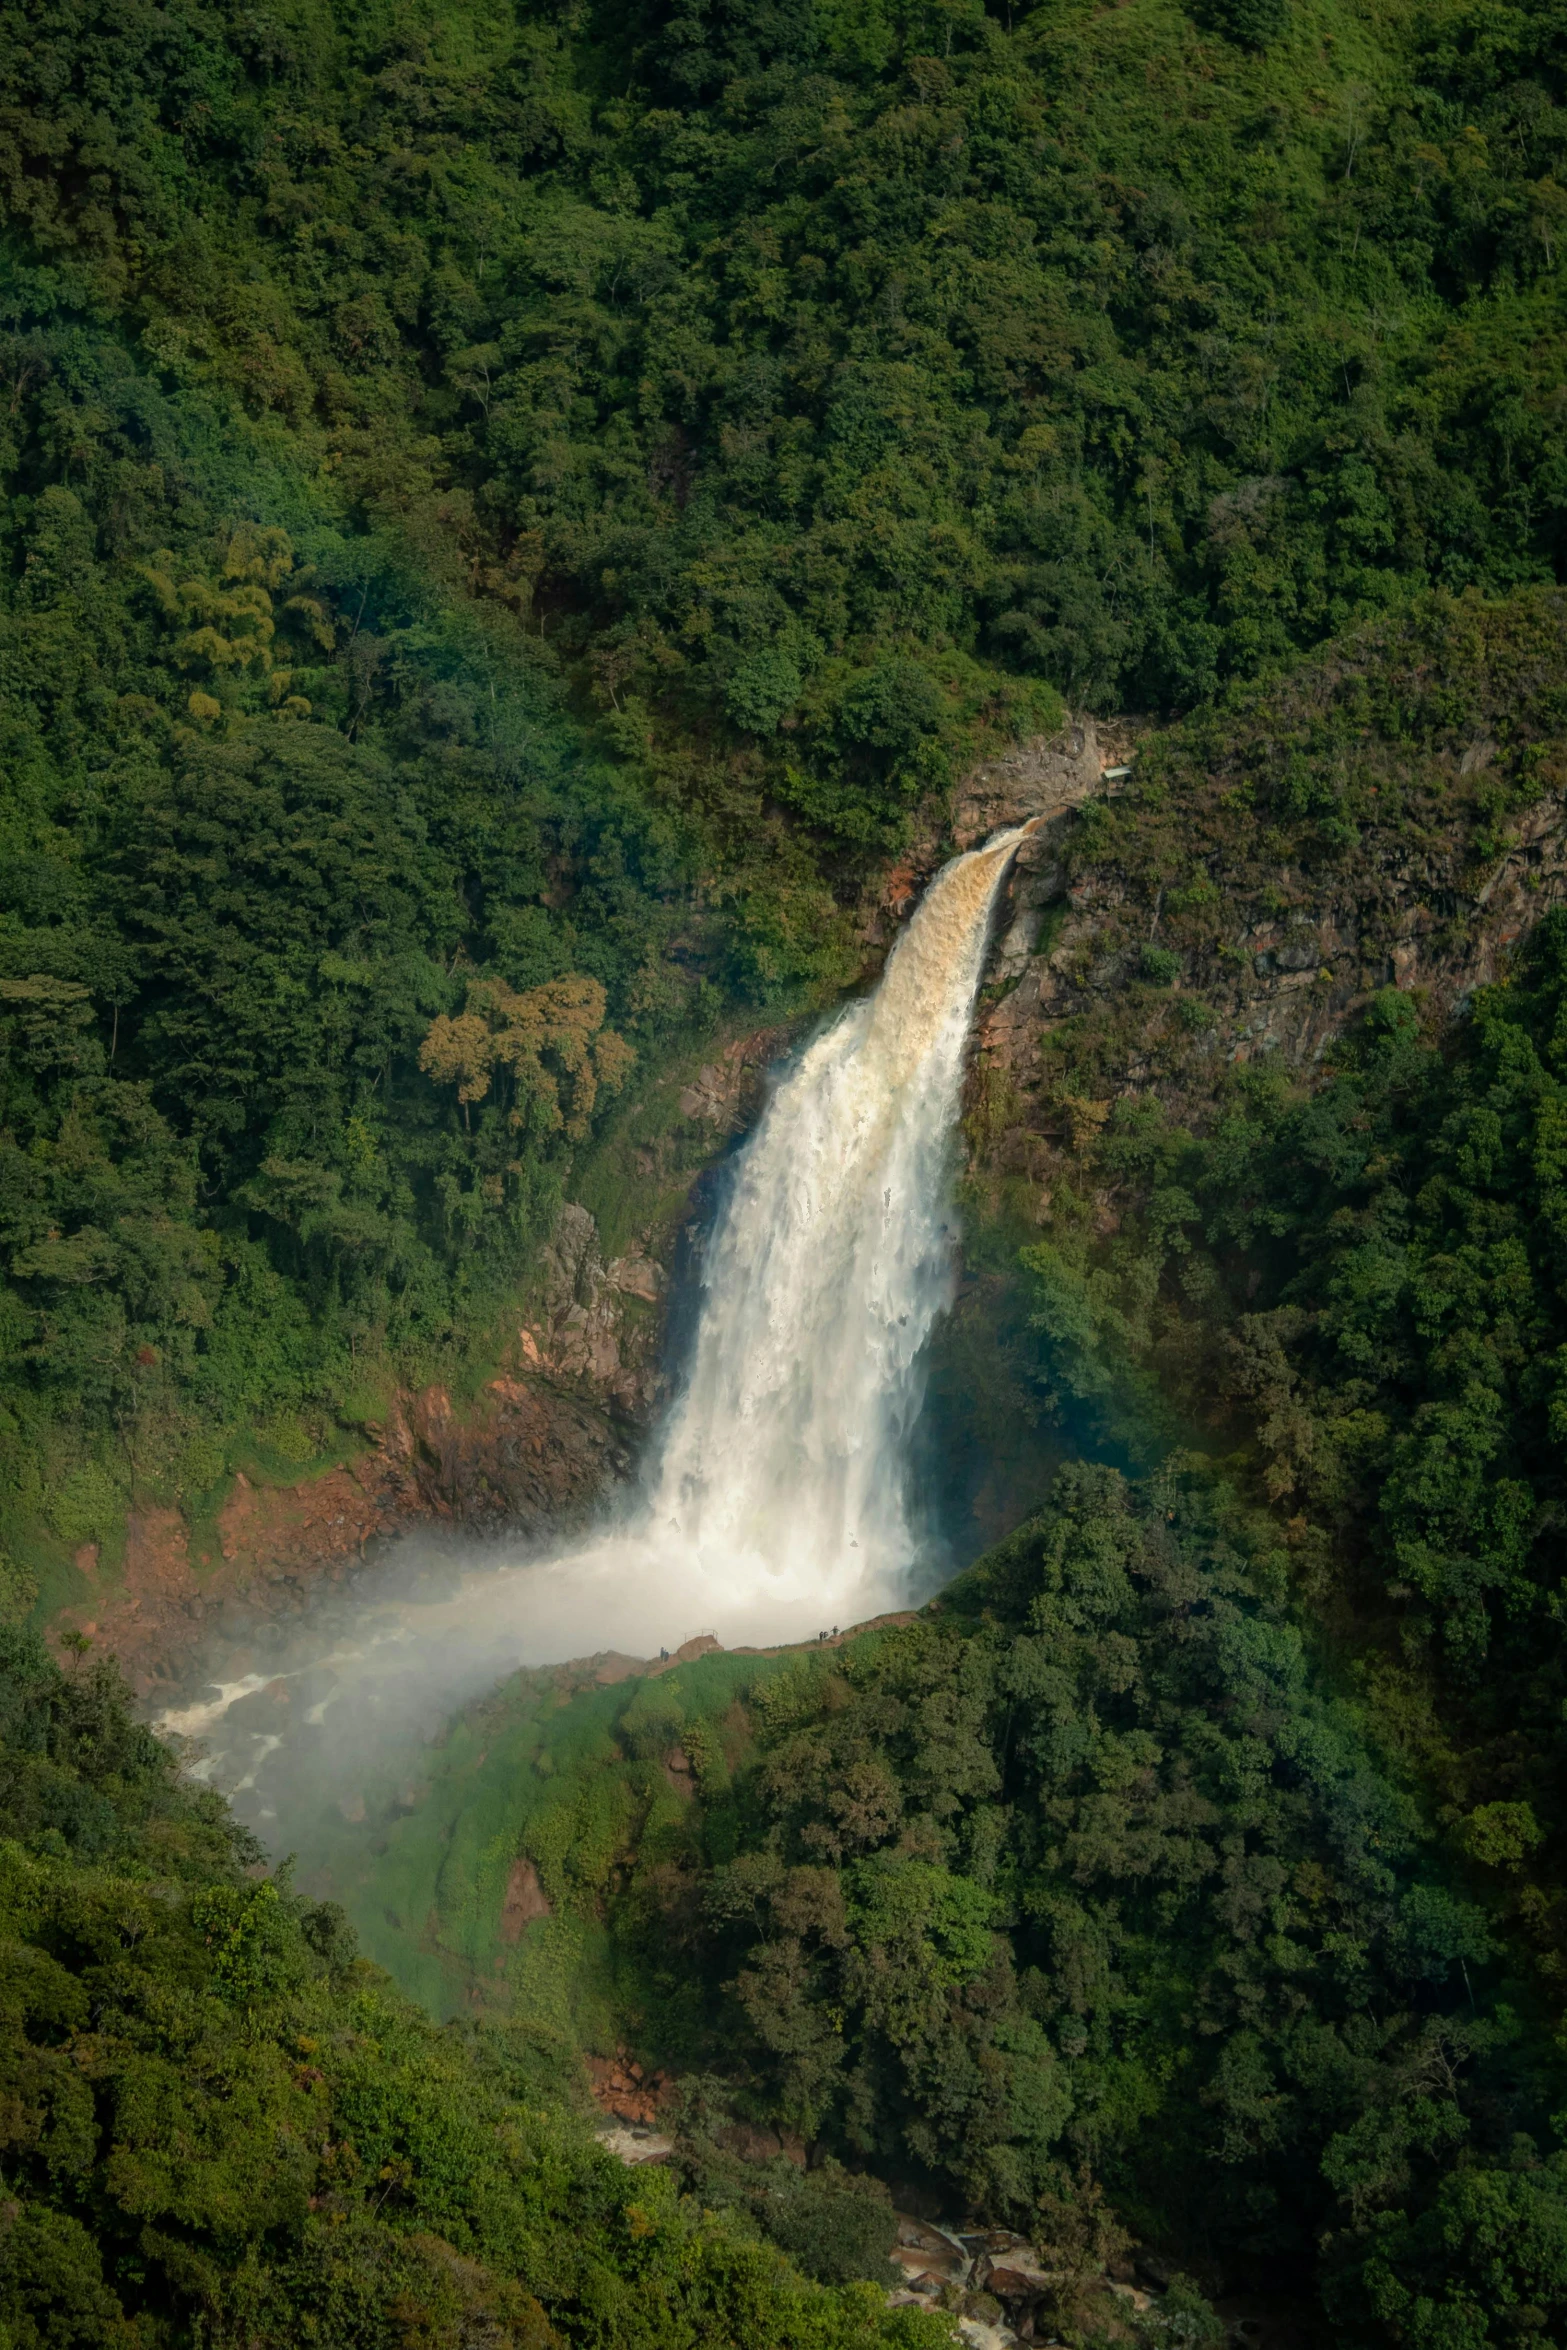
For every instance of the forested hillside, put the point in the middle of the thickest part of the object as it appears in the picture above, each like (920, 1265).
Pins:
(505, 513)
(1086, 1885)
(512, 519)
(223, 2126)
(1209, 1833)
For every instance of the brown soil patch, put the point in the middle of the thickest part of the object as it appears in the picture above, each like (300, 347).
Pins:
(324, 1518)
(275, 1541)
(525, 1900)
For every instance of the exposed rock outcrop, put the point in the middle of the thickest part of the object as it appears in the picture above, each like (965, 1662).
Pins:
(1280, 979)
(525, 1901)
(584, 1332)
(727, 1092)
(625, 2092)
(1159, 956)
(633, 2145)
(526, 1452)
(1041, 778)
(1047, 777)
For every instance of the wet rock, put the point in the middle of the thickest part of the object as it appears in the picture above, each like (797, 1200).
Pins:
(726, 1092)
(981, 2334)
(1012, 2270)
(637, 1276)
(929, 2258)
(1133, 2295)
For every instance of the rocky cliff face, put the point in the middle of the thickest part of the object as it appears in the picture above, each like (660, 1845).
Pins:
(583, 1331)
(527, 1454)
(1245, 890)
(1046, 777)
(1276, 976)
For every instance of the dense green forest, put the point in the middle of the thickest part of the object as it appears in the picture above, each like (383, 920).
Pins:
(540, 498)
(1265, 1797)
(222, 2126)
(1200, 1849)
(511, 517)
(1095, 1900)
(1085, 1878)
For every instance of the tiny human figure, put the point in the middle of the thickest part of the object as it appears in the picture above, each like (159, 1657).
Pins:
(663, 1656)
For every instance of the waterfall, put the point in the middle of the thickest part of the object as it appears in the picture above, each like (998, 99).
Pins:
(784, 1460)
(773, 1504)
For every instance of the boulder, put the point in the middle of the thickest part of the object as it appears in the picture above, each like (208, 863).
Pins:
(571, 1262)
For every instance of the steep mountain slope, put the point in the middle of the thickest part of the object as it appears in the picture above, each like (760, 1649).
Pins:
(509, 518)
(222, 2126)
(515, 522)
(1209, 1833)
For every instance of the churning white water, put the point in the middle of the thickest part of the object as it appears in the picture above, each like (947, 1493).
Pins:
(774, 1504)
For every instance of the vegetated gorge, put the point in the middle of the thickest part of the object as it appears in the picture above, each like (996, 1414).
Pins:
(783, 1174)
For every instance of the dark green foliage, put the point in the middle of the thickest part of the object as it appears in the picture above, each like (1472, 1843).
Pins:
(218, 2125)
(1366, 1281)
(1383, 1269)
(750, 348)
(1252, 23)
(80, 1775)
(835, 2225)
(496, 504)
(227, 1188)
(1088, 1867)
(527, 499)
(1411, 1219)
(1493, 2247)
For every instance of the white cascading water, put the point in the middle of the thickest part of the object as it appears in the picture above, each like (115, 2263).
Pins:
(783, 1465)
(774, 1505)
